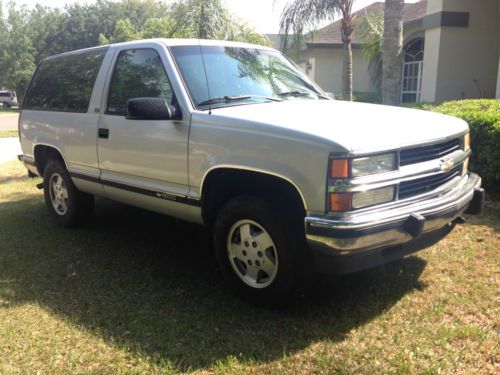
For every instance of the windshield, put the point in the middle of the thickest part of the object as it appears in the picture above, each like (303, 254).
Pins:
(240, 76)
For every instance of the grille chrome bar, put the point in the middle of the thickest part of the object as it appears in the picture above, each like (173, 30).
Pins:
(422, 185)
(425, 153)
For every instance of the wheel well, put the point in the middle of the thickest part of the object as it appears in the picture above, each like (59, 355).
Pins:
(43, 154)
(220, 185)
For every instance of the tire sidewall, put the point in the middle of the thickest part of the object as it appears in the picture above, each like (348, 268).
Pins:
(69, 218)
(286, 244)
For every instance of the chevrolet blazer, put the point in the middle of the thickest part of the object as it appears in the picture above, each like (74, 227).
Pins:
(235, 137)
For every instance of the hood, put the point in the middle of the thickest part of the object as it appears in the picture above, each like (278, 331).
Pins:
(358, 127)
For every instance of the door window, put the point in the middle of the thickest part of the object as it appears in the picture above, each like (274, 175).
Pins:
(138, 73)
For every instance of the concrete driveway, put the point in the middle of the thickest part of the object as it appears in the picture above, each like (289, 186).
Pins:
(9, 149)
(9, 121)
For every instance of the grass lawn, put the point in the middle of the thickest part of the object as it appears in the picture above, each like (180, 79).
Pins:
(137, 292)
(6, 111)
(8, 133)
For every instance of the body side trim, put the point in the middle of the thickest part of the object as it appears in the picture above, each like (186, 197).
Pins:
(138, 190)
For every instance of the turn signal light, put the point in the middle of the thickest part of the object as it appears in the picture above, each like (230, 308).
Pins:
(340, 202)
(339, 168)
(467, 141)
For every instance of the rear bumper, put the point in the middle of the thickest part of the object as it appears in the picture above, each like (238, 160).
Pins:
(29, 163)
(348, 245)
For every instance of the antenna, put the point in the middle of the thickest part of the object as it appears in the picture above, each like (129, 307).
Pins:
(206, 77)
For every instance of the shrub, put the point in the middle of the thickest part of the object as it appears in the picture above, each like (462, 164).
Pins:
(483, 117)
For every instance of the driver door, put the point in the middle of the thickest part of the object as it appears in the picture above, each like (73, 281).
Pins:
(141, 160)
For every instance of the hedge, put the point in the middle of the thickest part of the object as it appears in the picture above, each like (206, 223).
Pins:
(483, 117)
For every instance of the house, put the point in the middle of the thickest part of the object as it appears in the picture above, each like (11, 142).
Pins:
(451, 51)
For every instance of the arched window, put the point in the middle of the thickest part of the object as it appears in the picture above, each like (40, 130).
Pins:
(411, 84)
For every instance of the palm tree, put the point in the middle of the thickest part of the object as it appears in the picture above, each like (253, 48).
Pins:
(209, 19)
(392, 51)
(371, 31)
(302, 15)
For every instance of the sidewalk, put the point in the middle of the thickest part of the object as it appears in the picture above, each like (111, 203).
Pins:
(9, 149)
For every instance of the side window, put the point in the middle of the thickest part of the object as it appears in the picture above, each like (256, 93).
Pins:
(138, 73)
(64, 83)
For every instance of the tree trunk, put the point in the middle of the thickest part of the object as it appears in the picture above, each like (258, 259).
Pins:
(347, 28)
(347, 72)
(392, 52)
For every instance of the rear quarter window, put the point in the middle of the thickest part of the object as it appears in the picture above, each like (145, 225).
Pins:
(64, 83)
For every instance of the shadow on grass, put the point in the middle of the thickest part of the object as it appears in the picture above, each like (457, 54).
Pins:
(150, 284)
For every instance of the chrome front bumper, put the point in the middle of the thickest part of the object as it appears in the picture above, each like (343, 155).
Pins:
(394, 226)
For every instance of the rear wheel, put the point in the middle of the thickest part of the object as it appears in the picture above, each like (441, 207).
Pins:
(68, 206)
(260, 251)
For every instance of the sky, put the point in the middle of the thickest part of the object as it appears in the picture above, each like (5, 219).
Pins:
(263, 15)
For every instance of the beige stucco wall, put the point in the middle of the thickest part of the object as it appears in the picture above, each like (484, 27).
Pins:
(462, 62)
(327, 69)
(431, 64)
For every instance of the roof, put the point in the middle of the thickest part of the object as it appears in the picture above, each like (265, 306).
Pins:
(168, 43)
(331, 34)
(275, 40)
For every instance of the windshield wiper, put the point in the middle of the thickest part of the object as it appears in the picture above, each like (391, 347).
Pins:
(234, 98)
(293, 93)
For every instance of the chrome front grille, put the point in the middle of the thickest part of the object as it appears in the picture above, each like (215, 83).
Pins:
(423, 185)
(425, 153)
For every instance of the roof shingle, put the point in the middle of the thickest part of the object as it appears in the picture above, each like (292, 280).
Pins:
(331, 34)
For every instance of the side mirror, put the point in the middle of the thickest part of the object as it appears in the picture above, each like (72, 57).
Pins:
(149, 109)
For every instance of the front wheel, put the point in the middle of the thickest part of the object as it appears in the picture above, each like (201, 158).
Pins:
(260, 251)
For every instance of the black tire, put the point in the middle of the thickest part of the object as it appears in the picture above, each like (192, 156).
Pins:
(79, 206)
(293, 274)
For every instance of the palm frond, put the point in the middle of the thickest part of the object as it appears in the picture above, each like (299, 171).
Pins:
(301, 15)
(371, 30)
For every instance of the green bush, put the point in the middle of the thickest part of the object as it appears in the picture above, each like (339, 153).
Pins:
(483, 117)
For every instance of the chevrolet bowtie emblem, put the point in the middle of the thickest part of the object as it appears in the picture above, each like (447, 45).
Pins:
(447, 165)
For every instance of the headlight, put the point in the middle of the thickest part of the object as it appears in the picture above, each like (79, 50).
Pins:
(373, 197)
(373, 164)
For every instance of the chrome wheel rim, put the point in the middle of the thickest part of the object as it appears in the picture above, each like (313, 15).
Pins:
(58, 194)
(252, 253)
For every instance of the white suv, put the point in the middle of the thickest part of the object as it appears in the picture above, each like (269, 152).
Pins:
(235, 137)
(8, 99)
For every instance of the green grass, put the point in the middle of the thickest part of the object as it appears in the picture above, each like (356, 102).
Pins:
(136, 292)
(8, 133)
(6, 110)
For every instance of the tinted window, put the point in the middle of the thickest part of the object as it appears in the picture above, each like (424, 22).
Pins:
(5, 94)
(138, 73)
(64, 83)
